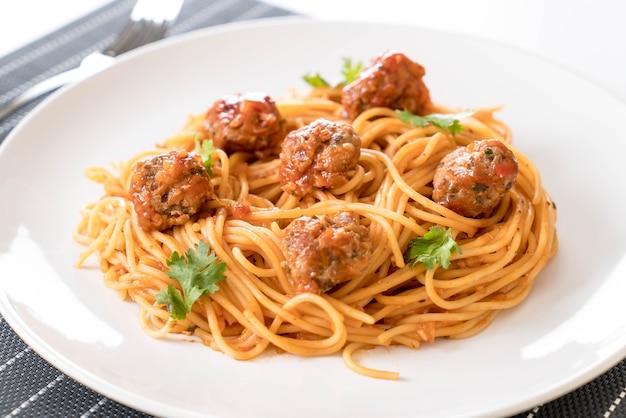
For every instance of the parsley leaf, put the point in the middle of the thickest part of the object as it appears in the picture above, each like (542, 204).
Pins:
(436, 246)
(198, 273)
(447, 121)
(350, 72)
(316, 80)
(174, 301)
(205, 149)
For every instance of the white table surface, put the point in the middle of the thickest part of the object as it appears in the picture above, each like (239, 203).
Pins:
(587, 36)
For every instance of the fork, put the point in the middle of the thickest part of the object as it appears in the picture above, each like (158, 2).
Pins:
(149, 21)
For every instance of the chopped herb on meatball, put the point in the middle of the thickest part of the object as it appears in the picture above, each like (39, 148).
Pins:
(323, 154)
(390, 80)
(322, 252)
(248, 122)
(472, 180)
(169, 189)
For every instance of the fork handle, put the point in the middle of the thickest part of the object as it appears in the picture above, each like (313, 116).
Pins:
(90, 65)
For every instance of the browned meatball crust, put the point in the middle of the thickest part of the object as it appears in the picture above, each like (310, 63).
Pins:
(390, 80)
(322, 252)
(248, 122)
(168, 189)
(322, 154)
(472, 180)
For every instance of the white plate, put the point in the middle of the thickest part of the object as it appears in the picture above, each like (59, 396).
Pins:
(570, 329)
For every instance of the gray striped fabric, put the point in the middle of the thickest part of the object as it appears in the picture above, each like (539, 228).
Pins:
(29, 386)
(65, 48)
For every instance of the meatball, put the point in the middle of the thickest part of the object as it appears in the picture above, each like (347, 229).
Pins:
(250, 123)
(321, 154)
(472, 180)
(169, 189)
(322, 252)
(391, 80)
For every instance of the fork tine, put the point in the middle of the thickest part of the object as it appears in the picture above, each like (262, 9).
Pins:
(149, 21)
(156, 10)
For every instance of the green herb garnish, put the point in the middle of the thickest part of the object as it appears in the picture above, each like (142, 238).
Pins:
(205, 149)
(198, 273)
(316, 80)
(350, 72)
(436, 246)
(447, 121)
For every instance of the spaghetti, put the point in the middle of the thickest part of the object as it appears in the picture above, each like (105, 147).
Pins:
(258, 307)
